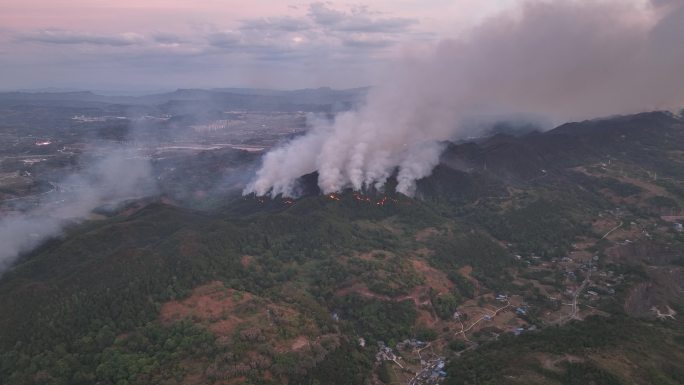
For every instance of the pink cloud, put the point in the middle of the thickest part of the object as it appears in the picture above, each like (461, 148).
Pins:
(141, 16)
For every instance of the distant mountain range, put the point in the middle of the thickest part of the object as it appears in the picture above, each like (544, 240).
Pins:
(236, 97)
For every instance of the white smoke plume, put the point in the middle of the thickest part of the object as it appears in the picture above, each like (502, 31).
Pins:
(560, 60)
(119, 174)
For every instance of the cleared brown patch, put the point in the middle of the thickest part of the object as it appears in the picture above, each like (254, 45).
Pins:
(466, 272)
(419, 295)
(426, 318)
(240, 317)
(225, 327)
(373, 255)
(650, 187)
(654, 189)
(584, 243)
(300, 343)
(212, 303)
(425, 234)
(190, 245)
(235, 381)
(581, 256)
(616, 363)
(672, 218)
(192, 379)
(433, 278)
(602, 225)
(423, 252)
(362, 290)
(246, 260)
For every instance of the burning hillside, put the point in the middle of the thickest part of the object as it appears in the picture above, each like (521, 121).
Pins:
(447, 92)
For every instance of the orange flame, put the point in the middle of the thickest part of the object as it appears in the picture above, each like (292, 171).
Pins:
(385, 199)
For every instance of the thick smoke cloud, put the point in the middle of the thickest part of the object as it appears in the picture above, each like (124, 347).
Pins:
(563, 60)
(119, 174)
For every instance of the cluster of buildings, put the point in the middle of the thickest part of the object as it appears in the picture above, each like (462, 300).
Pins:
(96, 119)
(385, 353)
(670, 313)
(215, 125)
(432, 374)
(411, 344)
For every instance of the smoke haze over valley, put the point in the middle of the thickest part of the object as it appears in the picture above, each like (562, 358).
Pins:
(115, 174)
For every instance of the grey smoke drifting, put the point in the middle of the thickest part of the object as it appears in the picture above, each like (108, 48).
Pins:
(117, 175)
(563, 60)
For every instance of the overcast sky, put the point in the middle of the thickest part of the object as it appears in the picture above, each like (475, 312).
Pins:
(166, 44)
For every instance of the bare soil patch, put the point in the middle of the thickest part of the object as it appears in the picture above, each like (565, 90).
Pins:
(211, 303)
(246, 260)
(299, 343)
(433, 278)
(425, 234)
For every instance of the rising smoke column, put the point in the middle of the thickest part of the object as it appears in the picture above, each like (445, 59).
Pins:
(563, 60)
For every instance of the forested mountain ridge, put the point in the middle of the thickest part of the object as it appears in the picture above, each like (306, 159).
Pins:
(482, 265)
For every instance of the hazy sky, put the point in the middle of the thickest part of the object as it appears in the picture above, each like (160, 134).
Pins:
(165, 44)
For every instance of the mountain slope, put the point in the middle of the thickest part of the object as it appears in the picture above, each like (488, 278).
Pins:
(280, 291)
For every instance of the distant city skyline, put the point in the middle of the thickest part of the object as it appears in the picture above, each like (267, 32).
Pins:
(166, 44)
